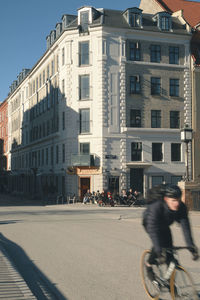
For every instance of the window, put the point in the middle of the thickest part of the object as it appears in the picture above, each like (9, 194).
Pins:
(174, 119)
(173, 55)
(165, 23)
(157, 154)
(38, 157)
(135, 19)
(84, 53)
(52, 67)
(63, 88)
(84, 88)
(135, 85)
(43, 75)
(155, 53)
(135, 118)
(155, 119)
(174, 87)
(136, 151)
(47, 71)
(84, 148)
(155, 86)
(175, 152)
(84, 120)
(57, 67)
(63, 120)
(47, 156)
(63, 153)
(63, 56)
(42, 157)
(40, 80)
(84, 20)
(156, 180)
(52, 154)
(135, 51)
(57, 154)
(175, 179)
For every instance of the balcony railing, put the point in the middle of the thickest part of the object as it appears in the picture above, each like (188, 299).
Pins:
(82, 160)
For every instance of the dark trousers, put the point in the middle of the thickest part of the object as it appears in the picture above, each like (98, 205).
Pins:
(165, 238)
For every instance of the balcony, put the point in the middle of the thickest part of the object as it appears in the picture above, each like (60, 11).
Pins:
(83, 160)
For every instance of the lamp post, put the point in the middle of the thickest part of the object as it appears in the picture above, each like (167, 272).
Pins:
(34, 169)
(186, 137)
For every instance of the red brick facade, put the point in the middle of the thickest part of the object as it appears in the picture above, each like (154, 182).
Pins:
(3, 135)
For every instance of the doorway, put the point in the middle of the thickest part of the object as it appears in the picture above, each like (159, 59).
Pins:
(84, 185)
(136, 179)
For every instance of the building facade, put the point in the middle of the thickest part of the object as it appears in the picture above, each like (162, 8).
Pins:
(188, 12)
(103, 107)
(3, 145)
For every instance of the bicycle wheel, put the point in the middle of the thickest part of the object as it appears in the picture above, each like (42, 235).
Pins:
(151, 289)
(181, 285)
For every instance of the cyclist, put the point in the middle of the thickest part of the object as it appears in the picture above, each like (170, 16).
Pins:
(164, 206)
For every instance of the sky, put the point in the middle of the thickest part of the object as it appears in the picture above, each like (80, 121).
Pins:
(24, 26)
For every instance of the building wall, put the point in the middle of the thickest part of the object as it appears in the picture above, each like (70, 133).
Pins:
(196, 124)
(4, 135)
(33, 106)
(150, 6)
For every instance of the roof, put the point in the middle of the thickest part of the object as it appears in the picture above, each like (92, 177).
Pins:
(191, 9)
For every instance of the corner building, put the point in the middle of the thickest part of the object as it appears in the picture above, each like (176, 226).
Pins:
(103, 107)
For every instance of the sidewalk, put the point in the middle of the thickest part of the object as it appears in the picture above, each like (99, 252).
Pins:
(12, 285)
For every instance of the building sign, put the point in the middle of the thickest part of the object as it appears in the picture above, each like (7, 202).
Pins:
(88, 171)
(110, 156)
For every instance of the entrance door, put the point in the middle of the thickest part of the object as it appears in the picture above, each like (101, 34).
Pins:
(84, 185)
(136, 179)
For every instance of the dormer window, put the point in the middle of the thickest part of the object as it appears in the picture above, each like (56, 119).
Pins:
(164, 21)
(84, 20)
(86, 16)
(135, 20)
(133, 17)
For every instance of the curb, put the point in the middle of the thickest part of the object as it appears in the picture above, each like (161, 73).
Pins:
(12, 285)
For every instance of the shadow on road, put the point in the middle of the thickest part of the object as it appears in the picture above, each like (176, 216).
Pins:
(9, 222)
(38, 283)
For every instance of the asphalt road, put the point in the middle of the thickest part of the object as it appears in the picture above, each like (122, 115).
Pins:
(82, 252)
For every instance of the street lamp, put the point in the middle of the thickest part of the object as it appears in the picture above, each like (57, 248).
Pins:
(186, 137)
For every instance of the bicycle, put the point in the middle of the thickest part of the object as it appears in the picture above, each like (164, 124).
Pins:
(172, 278)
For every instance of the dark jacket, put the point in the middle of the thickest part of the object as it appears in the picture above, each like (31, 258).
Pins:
(158, 217)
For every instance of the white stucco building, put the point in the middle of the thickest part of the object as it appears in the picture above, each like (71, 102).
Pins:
(103, 107)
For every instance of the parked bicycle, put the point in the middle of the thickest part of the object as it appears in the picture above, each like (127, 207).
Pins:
(171, 278)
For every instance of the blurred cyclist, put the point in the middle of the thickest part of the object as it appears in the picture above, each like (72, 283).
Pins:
(164, 206)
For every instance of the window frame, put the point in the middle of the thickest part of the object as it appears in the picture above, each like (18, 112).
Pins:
(174, 55)
(156, 86)
(155, 53)
(134, 51)
(135, 85)
(81, 148)
(136, 113)
(84, 127)
(174, 87)
(84, 92)
(176, 153)
(175, 119)
(157, 154)
(84, 56)
(155, 118)
(136, 151)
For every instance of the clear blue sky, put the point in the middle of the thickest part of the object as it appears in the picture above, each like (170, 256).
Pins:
(24, 25)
